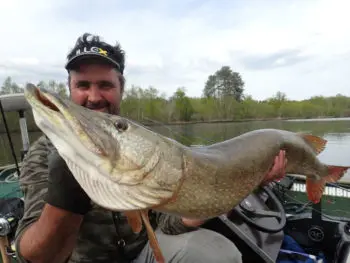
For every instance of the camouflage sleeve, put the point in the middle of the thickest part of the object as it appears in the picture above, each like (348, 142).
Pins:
(171, 224)
(33, 183)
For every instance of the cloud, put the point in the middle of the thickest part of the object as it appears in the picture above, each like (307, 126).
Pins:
(298, 47)
(284, 58)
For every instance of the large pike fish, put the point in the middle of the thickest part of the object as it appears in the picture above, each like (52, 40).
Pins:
(126, 167)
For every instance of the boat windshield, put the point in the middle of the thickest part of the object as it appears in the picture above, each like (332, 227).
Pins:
(334, 202)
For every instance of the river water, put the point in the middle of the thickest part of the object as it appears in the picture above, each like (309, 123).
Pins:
(335, 131)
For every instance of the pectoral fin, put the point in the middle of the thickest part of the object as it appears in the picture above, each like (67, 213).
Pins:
(134, 220)
(152, 238)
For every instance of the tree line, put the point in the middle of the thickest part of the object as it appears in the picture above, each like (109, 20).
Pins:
(223, 99)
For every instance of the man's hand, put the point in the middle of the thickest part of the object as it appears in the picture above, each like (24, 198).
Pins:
(278, 170)
(192, 222)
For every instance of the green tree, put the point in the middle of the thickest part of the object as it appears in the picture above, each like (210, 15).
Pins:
(224, 83)
(277, 102)
(226, 88)
(132, 104)
(9, 87)
(54, 86)
(183, 106)
(147, 105)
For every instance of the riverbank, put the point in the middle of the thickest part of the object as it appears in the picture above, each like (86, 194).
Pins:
(233, 120)
(157, 123)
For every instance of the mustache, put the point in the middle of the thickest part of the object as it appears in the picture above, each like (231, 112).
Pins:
(96, 105)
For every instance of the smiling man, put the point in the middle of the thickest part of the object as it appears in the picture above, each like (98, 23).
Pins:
(59, 223)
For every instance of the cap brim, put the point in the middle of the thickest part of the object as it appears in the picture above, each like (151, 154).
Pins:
(78, 59)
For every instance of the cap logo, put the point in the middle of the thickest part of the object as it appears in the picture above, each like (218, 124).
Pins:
(92, 50)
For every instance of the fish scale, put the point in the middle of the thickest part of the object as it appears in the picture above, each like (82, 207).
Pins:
(201, 182)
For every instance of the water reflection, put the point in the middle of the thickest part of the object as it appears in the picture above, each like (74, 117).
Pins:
(207, 133)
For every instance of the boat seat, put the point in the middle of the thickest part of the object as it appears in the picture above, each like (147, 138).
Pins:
(343, 248)
(343, 253)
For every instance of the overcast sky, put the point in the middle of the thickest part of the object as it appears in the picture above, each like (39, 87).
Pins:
(299, 47)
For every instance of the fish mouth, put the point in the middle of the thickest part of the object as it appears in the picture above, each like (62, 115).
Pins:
(40, 96)
(43, 100)
(40, 99)
(61, 114)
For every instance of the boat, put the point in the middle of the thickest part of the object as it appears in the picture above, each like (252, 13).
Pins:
(11, 197)
(9, 186)
(276, 223)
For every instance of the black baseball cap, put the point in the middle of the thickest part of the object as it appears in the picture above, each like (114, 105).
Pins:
(89, 48)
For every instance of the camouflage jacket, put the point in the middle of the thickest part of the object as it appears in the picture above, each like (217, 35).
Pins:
(101, 230)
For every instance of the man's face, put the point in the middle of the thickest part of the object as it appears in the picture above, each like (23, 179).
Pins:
(96, 87)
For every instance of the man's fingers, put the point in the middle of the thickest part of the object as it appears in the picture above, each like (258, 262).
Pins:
(276, 165)
(283, 163)
(279, 167)
(280, 163)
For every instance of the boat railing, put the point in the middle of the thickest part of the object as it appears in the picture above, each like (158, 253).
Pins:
(9, 174)
(12, 103)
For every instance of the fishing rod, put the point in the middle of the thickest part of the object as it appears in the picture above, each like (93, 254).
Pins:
(9, 137)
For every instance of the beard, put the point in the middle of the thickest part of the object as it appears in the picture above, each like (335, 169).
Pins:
(103, 106)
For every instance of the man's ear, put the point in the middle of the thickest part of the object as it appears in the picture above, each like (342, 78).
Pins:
(68, 84)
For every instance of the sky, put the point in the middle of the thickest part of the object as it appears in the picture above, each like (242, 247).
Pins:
(299, 47)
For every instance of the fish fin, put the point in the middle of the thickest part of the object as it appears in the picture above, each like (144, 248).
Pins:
(317, 143)
(152, 238)
(335, 173)
(134, 220)
(315, 188)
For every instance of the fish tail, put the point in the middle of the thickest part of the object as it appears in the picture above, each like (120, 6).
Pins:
(315, 188)
(317, 143)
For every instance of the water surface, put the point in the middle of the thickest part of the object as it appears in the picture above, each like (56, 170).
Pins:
(337, 152)
(335, 131)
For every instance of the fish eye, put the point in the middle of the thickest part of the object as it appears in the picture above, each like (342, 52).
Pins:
(121, 125)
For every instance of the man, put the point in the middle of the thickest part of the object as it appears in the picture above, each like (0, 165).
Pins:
(59, 223)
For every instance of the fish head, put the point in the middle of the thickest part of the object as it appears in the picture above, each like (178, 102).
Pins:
(105, 149)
